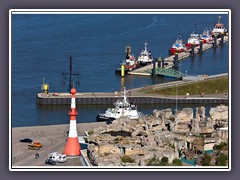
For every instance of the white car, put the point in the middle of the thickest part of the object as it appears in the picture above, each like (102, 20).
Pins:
(55, 156)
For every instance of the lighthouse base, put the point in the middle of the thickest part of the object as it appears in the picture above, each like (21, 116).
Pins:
(72, 147)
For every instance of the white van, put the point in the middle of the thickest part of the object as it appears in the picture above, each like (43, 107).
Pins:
(55, 156)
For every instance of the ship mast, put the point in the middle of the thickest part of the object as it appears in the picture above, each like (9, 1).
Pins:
(128, 52)
(145, 46)
(219, 18)
(124, 95)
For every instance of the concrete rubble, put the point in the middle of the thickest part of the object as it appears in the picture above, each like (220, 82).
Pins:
(161, 135)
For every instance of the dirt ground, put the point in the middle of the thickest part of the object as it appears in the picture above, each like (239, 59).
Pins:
(53, 139)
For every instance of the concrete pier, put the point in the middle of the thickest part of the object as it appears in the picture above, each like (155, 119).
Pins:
(138, 99)
(135, 95)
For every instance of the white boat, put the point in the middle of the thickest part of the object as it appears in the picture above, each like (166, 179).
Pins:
(193, 39)
(145, 56)
(219, 28)
(122, 109)
(206, 36)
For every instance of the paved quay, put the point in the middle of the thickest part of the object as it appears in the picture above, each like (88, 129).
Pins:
(133, 92)
(53, 138)
(137, 94)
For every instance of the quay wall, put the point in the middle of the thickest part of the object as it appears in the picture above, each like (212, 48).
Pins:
(137, 100)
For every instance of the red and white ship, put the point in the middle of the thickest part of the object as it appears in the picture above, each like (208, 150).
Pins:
(178, 46)
(130, 62)
(219, 28)
(206, 36)
(193, 39)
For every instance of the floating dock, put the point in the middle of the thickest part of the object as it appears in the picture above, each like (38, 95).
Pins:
(147, 70)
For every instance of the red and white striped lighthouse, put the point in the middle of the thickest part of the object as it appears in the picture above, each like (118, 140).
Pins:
(72, 147)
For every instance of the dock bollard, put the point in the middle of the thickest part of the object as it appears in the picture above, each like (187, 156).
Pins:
(122, 70)
(162, 63)
(215, 41)
(176, 60)
(154, 68)
(192, 53)
(159, 62)
(200, 48)
(222, 39)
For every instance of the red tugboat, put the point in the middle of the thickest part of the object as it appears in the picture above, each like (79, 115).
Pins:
(130, 62)
(206, 36)
(219, 28)
(193, 39)
(178, 46)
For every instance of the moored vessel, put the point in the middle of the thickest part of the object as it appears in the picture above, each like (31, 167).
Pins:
(130, 63)
(206, 36)
(122, 109)
(178, 46)
(219, 29)
(193, 39)
(145, 56)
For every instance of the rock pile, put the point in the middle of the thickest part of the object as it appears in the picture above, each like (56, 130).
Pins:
(128, 142)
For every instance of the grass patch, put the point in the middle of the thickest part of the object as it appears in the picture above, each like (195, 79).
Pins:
(213, 86)
(127, 159)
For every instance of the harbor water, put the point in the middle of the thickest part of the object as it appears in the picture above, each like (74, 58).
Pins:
(42, 44)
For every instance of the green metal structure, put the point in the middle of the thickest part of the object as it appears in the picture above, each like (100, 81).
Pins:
(167, 72)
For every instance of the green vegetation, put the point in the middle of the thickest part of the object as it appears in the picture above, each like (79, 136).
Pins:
(177, 162)
(221, 146)
(221, 160)
(212, 86)
(164, 161)
(206, 160)
(127, 159)
(156, 162)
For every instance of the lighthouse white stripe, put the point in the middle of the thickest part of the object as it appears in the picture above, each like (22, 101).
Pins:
(73, 103)
(73, 129)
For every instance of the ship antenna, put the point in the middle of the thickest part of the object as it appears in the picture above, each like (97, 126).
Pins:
(196, 27)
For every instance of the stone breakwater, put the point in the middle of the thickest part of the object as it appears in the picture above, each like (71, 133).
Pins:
(162, 134)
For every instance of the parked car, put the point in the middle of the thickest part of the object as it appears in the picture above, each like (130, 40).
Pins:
(32, 147)
(26, 140)
(37, 144)
(55, 156)
(50, 161)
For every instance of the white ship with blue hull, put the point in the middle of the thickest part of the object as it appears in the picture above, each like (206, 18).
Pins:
(122, 109)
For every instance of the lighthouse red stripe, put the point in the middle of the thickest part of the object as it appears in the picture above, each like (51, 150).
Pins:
(73, 118)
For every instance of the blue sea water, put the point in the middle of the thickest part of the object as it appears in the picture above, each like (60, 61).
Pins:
(42, 44)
